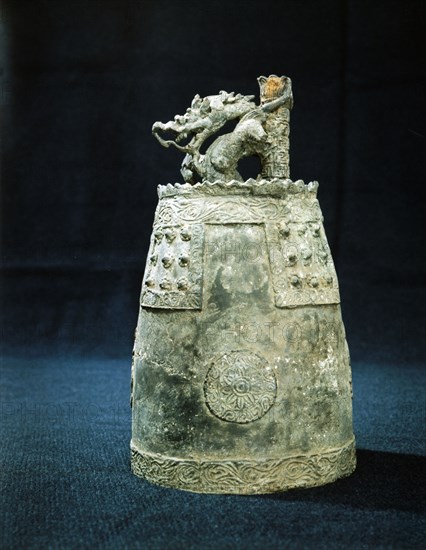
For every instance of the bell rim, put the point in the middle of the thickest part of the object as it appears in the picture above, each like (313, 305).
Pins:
(245, 476)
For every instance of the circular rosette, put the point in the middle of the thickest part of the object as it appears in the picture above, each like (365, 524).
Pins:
(240, 387)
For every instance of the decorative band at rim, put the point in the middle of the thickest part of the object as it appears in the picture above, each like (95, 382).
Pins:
(246, 476)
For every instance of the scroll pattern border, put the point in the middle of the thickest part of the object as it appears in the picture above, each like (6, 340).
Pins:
(246, 476)
(220, 210)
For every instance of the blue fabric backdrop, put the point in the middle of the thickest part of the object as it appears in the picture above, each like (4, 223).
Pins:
(81, 84)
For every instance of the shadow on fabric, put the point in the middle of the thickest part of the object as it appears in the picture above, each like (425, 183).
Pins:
(381, 481)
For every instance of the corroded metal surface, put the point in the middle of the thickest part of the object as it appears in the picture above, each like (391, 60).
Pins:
(261, 130)
(246, 476)
(241, 379)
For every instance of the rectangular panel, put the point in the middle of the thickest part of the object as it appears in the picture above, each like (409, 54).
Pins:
(173, 273)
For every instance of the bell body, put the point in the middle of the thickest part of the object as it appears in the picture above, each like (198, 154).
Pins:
(241, 379)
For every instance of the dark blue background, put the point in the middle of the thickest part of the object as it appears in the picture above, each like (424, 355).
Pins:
(81, 84)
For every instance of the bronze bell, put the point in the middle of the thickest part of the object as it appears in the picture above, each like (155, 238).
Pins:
(241, 379)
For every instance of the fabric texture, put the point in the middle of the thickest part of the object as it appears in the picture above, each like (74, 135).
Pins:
(66, 479)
